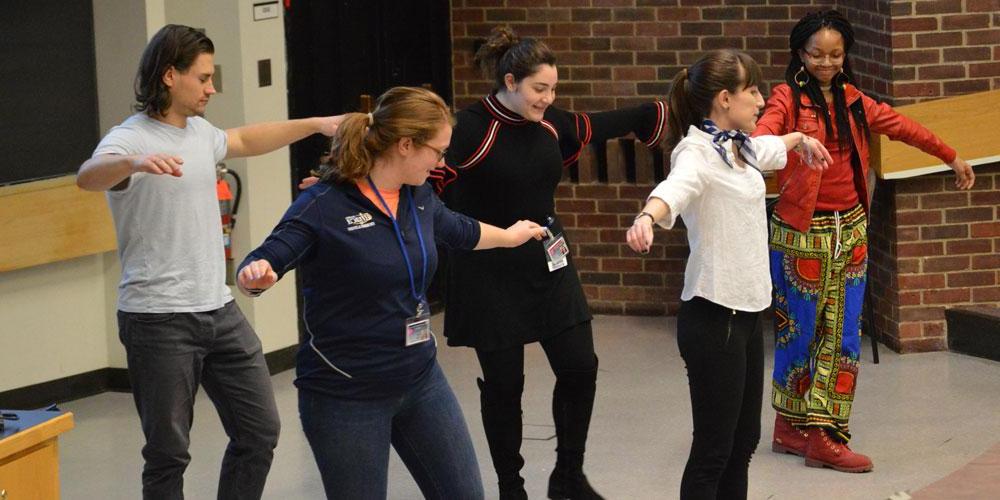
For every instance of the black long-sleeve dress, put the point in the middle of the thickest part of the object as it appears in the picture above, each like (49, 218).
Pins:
(502, 168)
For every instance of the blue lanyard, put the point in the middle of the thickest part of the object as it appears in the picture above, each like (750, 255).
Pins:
(402, 246)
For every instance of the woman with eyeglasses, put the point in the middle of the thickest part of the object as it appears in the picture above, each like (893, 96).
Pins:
(819, 243)
(365, 239)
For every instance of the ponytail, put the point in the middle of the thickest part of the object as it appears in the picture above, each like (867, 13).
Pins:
(350, 154)
(679, 113)
(401, 112)
(694, 88)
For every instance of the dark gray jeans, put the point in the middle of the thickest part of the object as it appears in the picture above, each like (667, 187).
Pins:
(169, 355)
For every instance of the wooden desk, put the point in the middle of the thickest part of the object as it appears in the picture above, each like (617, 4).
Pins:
(29, 454)
(966, 123)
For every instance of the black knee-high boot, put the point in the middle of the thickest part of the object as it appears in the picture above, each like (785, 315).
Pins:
(572, 406)
(501, 409)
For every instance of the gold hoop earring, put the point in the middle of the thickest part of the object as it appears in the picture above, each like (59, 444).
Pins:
(795, 78)
(844, 79)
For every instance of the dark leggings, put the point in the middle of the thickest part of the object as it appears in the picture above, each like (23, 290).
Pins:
(724, 354)
(573, 349)
(571, 356)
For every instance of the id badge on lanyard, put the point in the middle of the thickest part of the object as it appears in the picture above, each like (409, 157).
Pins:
(556, 249)
(417, 328)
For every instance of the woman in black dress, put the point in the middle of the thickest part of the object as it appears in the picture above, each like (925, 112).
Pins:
(505, 160)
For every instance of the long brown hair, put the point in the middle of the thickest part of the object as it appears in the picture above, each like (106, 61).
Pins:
(174, 46)
(504, 52)
(694, 88)
(401, 112)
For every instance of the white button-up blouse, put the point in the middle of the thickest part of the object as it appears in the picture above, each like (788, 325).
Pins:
(723, 210)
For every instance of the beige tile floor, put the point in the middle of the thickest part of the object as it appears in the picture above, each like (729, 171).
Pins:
(919, 416)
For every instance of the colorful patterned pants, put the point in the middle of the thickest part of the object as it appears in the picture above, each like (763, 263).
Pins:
(819, 288)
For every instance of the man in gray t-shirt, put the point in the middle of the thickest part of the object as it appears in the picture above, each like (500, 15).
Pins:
(176, 316)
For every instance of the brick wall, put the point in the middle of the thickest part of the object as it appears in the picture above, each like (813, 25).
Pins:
(614, 53)
(596, 216)
(931, 246)
(871, 53)
(617, 52)
(944, 47)
(934, 247)
(882, 270)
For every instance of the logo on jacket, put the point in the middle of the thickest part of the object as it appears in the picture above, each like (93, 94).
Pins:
(359, 221)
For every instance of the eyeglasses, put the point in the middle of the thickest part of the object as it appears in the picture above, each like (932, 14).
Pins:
(829, 59)
(439, 152)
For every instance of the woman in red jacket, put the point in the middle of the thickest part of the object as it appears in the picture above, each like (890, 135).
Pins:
(819, 239)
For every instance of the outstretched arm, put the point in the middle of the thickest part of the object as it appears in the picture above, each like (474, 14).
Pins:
(576, 130)
(104, 172)
(260, 138)
(647, 121)
(291, 242)
(813, 152)
(514, 236)
(882, 119)
(669, 198)
(640, 236)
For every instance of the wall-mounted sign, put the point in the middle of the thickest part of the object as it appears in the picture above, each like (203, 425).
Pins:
(265, 10)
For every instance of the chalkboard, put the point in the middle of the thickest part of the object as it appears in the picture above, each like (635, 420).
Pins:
(48, 88)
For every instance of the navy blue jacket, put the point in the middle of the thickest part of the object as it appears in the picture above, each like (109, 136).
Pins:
(356, 289)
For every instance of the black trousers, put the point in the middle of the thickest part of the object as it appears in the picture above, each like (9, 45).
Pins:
(571, 356)
(724, 353)
(572, 349)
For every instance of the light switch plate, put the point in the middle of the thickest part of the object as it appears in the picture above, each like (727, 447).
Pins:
(217, 79)
(264, 73)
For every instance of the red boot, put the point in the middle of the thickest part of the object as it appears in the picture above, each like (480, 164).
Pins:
(787, 438)
(824, 451)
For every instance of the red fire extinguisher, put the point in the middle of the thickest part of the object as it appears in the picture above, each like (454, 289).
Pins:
(228, 206)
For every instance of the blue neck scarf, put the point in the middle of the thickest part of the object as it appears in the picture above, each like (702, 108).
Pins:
(741, 140)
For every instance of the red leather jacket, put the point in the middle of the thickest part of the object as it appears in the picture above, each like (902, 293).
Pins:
(799, 185)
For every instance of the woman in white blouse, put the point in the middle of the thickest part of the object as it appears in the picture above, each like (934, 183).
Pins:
(716, 185)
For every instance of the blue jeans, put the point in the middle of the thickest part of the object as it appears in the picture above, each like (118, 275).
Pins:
(350, 440)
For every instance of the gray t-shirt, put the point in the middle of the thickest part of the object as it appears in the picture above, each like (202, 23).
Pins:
(169, 228)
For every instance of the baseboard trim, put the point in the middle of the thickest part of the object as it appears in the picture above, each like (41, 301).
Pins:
(104, 380)
(60, 390)
(118, 380)
(281, 359)
(974, 331)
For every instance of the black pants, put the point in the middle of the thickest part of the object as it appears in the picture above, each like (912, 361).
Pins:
(571, 356)
(169, 356)
(573, 349)
(724, 354)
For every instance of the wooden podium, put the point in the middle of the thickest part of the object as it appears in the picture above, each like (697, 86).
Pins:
(29, 454)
